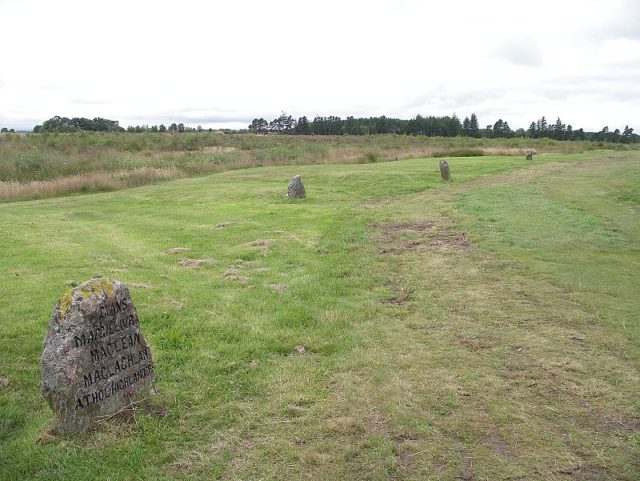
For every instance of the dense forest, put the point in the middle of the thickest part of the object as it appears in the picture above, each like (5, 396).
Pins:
(434, 127)
(59, 124)
(430, 126)
(77, 124)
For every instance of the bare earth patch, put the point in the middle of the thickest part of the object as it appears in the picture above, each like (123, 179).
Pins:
(261, 244)
(194, 262)
(400, 226)
(232, 275)
(278, 287)
(400, 296)
(177, 250)
(140, 285)
(400, 237)
(467, 472)
(497, 445)
(219, 148)
(475, 343)
(298, 350)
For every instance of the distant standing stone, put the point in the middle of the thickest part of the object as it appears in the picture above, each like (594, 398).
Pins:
(296, 189)
(444, 171)
(529, 153)
(95, 359)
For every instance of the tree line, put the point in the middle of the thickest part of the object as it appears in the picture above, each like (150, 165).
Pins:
(173, 128)
(429, 126)
(78, 124)
(59, 124)
(447, 126)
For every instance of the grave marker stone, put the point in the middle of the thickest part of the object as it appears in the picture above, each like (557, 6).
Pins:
(95, 359)
(296, 189)
(445, 172)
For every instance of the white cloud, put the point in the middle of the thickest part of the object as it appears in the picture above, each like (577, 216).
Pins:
(215, 63)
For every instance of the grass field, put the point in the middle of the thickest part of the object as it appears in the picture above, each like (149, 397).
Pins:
(390, 326)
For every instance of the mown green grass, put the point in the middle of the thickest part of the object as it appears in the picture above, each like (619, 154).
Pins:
(484, 329)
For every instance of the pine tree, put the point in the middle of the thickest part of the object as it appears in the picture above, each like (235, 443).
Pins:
(542, 127)
(474, 129)
(302, 127)
(558, 130)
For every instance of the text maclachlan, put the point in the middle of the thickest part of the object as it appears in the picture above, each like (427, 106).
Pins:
(105, 393)
(106, 372)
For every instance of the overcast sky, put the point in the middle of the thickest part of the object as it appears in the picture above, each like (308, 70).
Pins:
(220, 64)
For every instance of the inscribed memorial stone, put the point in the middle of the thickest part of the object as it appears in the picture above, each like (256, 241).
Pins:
(445, 172)
(95, 359)
(529, 153)
(296, 189)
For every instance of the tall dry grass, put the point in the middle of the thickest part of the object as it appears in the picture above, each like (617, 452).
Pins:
(84, 183)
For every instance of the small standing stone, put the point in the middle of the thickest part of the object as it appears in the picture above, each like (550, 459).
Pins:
(445, 172)
(296, 189)
(529, 153)
(95, 359)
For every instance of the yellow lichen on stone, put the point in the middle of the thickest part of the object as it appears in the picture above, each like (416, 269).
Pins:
(98, 287)
(107, 287)
(65, 302)
(94, 288)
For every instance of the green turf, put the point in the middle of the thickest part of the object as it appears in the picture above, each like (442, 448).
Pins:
(484, 329)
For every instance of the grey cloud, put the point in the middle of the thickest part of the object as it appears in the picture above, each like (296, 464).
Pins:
(521, 52)
(189, 118)
(211, 119)
(625, 24)
(83, 101)
(619, 84)
(19, 123)
(476, 96)
(442, 102)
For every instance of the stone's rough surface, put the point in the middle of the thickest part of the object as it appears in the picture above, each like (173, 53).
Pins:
(296, 189)
(529, 153)
(95, 359)
(444, 170)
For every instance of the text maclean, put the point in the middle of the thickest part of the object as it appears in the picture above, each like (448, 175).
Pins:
(111, 348)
